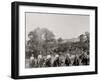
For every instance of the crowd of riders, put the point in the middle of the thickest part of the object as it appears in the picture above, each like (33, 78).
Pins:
(58, 60)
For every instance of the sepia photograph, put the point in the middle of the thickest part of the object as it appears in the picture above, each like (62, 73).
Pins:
(56, 40)
(50, 40)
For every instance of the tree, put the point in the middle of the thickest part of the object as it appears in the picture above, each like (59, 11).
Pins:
(81, 37)
(47, 35)
(60, 40)
(49, 39)
(84, 41)
(88, 36)
(39, 40)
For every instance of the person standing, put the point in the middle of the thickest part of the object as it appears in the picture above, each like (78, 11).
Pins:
(40, 61)
(32, 61)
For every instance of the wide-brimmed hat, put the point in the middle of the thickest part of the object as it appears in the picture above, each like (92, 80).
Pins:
(48, 56)
(39, 56)
(56, 55)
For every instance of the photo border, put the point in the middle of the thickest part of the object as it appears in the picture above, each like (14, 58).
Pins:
(15, 39)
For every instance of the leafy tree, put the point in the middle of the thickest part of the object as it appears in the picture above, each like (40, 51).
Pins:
(39, 40)
(81, 37)
(88, 36)
(60, 40)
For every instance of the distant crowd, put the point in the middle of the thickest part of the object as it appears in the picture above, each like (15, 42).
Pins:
(57, 60)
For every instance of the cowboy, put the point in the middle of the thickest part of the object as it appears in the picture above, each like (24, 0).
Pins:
(76, 60)
(85, 59)
(56, 62)
(67, 60)
(48, 61)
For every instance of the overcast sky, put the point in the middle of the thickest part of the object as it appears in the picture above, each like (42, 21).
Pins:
(65, 26)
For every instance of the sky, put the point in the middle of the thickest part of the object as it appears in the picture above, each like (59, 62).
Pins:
(66, 26)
